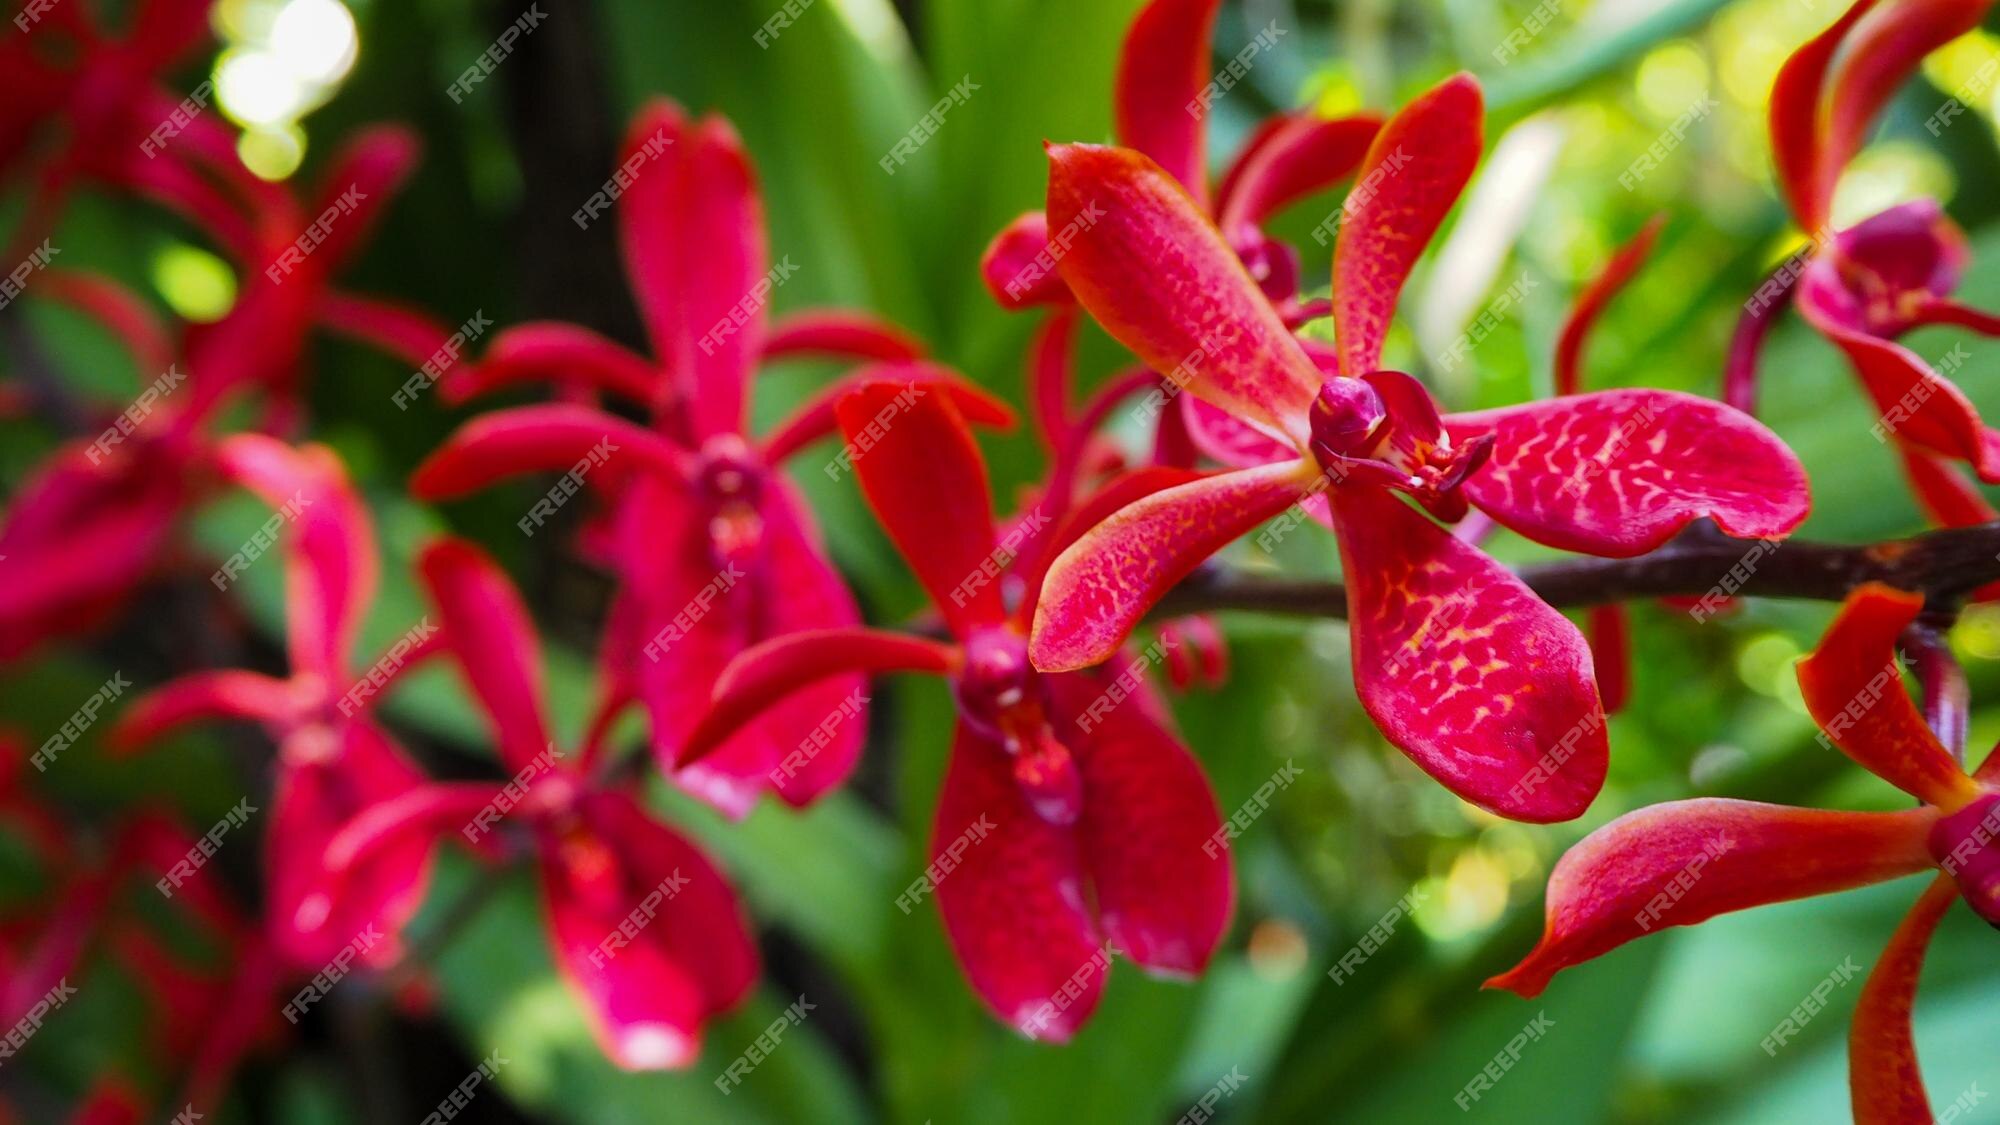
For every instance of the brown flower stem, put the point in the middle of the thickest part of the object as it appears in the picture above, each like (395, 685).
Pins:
(1942, 565)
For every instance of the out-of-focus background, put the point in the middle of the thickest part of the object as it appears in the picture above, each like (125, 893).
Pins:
(1668, 1029)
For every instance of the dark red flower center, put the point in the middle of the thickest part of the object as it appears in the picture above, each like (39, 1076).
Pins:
(1889, 267)
(1001, 696)
(1383, 429)
(729, 478)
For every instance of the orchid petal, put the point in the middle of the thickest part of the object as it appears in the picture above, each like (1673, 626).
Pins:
(531, 439)
(1463, 668)
(1019, 268)
(1943, 311)
(1151, 832)
(331, 568)
(806, 742)
(1918, 405)
(1051, 377)
(1301, 156)
(814, 419)
(1590, 303)
(924, 477)
(163, 31)
(766, 672)
(1101, 585)
(1882, 1071)
(1683, 862)
(555, 351)
(645, 1005)
(315, 911)
(1162, 70)
(1875, 60)
(1618, 473)
(840, 334)
(1014, 904)
(401, 331)
(79, 540)
(693, 233)
(490, 631)
(1229, 439)
(1121, 491)
(1853, 687)
(421, 812)
(702, 926)
(1414, 172)
(227, 693)
(1948, 499)
(1158, 276)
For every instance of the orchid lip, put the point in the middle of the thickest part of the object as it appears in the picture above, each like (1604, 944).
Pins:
(997, 679)
(1382, 429)
(729, 477)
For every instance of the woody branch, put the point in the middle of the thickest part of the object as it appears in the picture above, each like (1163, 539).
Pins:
(1943, 565)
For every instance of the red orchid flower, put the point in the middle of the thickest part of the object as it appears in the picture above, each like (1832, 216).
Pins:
(204, 1021)
(334, 762)
(605, 863)
(78, 104)
(1866, 285)
(713, 546)
(1162, 101)
(1679, 863)
(94, 520)
(1071, 820)
(1481, 683)
(206, 1017)
(42, 946)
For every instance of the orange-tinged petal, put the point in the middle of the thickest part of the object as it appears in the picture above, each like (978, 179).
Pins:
(1150, 267)
(1413, 173)
(1854, 688)
(1882, 1070)
(1095, 509)
(1878, 56)
(1097, 590)
(1682, 862)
